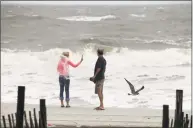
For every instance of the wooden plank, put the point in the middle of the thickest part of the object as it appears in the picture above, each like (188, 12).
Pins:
(4, 123)
(13, 121)
(30, 119)
(191, 121)
(26, 123)
(9, 118)
(35, 119)
(20, 106)
(178, 110)
(43, 112)
(171, 123)
(182, 119)
(165, 120)
(40, 121)
(187, 121)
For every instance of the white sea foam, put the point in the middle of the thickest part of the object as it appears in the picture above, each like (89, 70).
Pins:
(153, 69)
(160, 8)
(5, 42)
(140, 16)
(87, 18)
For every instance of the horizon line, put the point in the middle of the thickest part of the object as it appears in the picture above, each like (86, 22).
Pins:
(93, 2)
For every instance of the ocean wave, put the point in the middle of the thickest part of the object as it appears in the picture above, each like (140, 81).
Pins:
(23, 17)
(5, 42)
(187, 64)
(160, 78)
(87, 18)
(97, 41)
(168, 43)
(7, 50)
(33, 69)
(136, 43)
(160, 8)
(144, 75)
(172, 57)
(174, 77)
(156, 78)
(139, 16)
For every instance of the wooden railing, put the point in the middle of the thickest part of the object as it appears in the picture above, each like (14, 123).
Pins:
(20, 119)
(180, 119)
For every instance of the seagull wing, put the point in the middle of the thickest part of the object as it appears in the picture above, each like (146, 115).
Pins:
(140, 89)
(131, 86)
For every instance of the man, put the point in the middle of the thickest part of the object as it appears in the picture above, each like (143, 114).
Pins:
(64, 79)
(99, 77)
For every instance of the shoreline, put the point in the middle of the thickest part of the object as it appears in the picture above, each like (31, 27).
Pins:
(86, 117)
(74, 104)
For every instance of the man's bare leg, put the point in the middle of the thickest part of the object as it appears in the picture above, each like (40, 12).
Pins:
(100, 94)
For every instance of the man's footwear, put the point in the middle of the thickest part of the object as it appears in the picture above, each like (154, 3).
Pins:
(96, 108)
(99, 108)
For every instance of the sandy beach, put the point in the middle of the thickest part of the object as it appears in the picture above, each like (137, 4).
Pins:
(87, 117)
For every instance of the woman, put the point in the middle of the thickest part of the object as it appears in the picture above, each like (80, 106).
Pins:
(64, 79)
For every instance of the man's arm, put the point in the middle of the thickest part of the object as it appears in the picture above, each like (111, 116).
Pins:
(99, 67)
(97, 71)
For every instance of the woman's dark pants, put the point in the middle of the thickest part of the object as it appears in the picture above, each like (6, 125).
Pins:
(64, 83)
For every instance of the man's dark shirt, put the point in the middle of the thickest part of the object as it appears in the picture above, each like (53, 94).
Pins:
(101, 63)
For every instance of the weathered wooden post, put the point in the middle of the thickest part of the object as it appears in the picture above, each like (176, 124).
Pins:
(20, 106)
(165, 120)
(171, 124)
(191, 122)
(13, 120)
(43, 112)
(9, 118)
(187, 121)
(184, 123)
(26, 123)
(40, 121)
(182, 119)
(35, 119)
(30, 119)
(178, 110)
(4, 121)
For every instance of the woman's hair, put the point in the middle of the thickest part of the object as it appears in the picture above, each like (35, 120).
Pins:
(100, 51)
(65, 54)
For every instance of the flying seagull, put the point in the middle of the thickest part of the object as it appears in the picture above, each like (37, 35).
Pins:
(133, 92)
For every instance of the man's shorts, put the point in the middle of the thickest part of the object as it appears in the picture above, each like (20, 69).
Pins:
(99, 84)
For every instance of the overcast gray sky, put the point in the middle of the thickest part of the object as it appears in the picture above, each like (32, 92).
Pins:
(94, 2)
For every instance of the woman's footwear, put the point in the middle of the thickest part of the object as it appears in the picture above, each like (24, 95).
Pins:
(62, 106)
(67, 106)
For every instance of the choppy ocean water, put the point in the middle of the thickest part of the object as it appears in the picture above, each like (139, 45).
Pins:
(149, 45)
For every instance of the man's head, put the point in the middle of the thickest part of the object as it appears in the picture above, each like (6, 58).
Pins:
(100, 52)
